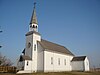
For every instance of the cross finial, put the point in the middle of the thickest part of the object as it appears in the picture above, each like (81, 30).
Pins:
(34, 4)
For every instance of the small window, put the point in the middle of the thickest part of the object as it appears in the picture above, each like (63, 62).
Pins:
(64, 61)
(51, 60)
(29, 45)
(58, 61)
(36, 26)
(22, 68)
(35, 47)
(30, 26)
(27, 63)
(33, 26)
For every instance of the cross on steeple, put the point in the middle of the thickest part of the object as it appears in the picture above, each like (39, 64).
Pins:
(34, 4)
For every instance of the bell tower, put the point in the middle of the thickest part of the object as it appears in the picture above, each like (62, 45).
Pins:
(33, 22)
(30, 63)
(32, 38)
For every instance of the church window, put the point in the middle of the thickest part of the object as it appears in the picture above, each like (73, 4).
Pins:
(27, 63)
(33, 26)
(51, 60)
(35, 47)
(58, 61)
(29, 45)
(36, 26)
(22, 68)
(30, 25)
(64, 61)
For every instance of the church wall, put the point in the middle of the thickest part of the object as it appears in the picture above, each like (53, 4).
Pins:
(32, 52)
(61, 62)
(40, 58)
(77, 65)
(20, 65)
(28, 51)
(80, 65)
(36, 38)
(64, 62)
(35, 52)
(27, 65)
(86, 64)
(47, 61)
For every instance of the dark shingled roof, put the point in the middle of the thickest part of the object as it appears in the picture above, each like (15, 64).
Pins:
(23, 57)
(79, 58)
(54, 47)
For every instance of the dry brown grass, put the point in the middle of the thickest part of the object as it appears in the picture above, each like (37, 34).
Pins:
(57, 73)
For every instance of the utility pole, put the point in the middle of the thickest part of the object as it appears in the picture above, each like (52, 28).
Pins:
(0, 32)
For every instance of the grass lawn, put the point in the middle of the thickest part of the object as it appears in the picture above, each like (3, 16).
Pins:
(57, 73)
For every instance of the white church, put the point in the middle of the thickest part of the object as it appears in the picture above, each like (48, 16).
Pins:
(41, 55)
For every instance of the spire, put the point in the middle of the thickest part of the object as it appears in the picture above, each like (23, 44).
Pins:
(34, 18)
(33, 22)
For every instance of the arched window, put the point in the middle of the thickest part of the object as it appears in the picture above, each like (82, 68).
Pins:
(33, 26)
(29, 45)
(58, 61)
(36, 26)
(34, 47)
(51, 60)
(27, 63)
(64, 61)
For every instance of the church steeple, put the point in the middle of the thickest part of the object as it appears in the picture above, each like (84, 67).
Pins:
(33, 22)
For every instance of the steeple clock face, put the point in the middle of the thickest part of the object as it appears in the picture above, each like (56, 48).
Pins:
(29, 45)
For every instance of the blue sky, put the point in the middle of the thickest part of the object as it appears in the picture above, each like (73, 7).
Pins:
(74, 24)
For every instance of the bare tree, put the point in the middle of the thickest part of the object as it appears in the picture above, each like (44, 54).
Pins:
(4, 61)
